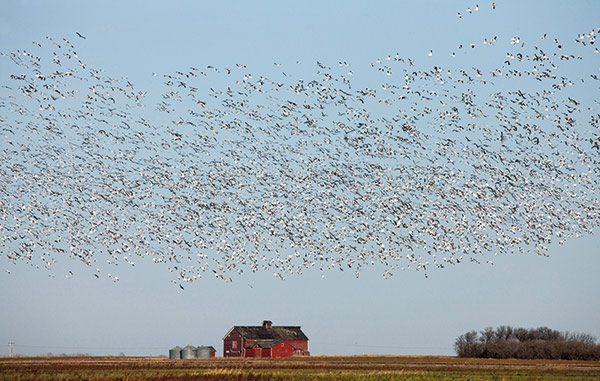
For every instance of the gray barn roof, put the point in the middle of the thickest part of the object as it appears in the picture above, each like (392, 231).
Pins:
(273, 333)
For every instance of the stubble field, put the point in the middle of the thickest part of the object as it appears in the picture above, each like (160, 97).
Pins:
(304, 368)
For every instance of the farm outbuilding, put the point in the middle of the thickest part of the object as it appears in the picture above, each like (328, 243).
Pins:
(265, 341)
(188, 352)
(191, 352)
(205, 352)
(175, 353)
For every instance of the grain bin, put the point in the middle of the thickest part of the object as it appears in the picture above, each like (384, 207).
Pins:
(203, 352)
(175, 353)
(188, 352)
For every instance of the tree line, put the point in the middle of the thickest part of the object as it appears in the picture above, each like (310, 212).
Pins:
(522, 343)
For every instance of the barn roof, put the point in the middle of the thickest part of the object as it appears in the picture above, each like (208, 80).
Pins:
(274, 333)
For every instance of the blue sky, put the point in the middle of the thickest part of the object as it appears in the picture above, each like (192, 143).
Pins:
(408, 313)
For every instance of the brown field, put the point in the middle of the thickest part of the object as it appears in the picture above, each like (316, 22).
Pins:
(297, 368)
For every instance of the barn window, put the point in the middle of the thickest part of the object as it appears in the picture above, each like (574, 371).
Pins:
(234, 345)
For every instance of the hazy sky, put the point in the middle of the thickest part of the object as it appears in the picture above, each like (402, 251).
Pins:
(144, 313)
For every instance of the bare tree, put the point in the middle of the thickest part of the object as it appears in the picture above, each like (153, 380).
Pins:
(534, 343)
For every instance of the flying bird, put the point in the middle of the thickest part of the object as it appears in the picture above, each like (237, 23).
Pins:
(284, 173)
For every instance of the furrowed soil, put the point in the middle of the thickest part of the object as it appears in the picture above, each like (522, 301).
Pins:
(296, 368)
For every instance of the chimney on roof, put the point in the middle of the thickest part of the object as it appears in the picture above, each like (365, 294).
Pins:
(267, 324)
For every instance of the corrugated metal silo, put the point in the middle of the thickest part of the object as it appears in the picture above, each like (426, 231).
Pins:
(175, 353)
(188, 352)
(203, 352)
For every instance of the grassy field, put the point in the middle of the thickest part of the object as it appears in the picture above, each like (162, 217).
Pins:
(301, 368)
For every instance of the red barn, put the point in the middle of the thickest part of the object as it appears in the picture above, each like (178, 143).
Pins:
(265, 341)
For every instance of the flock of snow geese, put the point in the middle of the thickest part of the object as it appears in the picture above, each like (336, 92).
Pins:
(218, 171)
